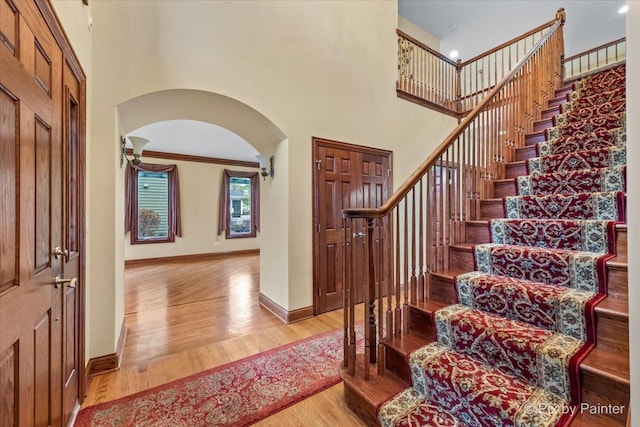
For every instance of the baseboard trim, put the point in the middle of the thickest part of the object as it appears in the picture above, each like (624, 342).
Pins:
(283, 314)
(108, 362)
(190, 257)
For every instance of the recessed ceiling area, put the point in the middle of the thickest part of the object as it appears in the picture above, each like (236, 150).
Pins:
(472, 27)
(192, 137)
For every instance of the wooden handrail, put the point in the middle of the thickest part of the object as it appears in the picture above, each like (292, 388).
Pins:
(424, 167)
(594, 49)
(425, 47)
(512, 41)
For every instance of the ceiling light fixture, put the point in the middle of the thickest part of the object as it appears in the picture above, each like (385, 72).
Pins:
(623, 9)
(454, 54)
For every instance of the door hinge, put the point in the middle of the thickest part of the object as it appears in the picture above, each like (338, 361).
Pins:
(388, 173)
(318, 164)
(318, 228)
(319, 292)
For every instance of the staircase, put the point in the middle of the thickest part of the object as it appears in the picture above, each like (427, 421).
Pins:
(530, 313)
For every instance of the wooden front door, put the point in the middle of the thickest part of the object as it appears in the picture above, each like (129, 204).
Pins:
(345, 176)
(41, 209)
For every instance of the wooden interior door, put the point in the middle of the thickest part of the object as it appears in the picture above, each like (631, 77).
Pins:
(38, 307)
(345, 176)
(72, 234)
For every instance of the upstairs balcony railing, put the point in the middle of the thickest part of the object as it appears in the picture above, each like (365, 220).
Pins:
(408, 237)
(599, 57)
(427, 77)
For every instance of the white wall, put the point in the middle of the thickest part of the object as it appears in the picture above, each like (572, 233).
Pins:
(200, 185)
(418, 33)
(324, 69)
(75, 19)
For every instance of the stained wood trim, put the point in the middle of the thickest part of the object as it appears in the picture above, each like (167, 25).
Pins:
(108, 362)
(402, 94)
(196, 159)
(322, 142)
(427, 48)
(50, 17)
(282, 313)
(189, 257)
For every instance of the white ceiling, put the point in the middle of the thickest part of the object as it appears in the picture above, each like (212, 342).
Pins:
(471, 27)
(195, 138)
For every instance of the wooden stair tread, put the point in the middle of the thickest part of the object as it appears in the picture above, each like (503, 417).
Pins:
(477, 222)
(448, 273)
(617, 263)
(406, 343)
(613, 307)
(611, 365)
(463, 246)
(429, 306)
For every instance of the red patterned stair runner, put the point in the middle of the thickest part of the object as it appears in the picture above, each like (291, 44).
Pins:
(508, 353)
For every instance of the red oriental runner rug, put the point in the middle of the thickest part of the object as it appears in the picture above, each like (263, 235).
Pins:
(236, 394)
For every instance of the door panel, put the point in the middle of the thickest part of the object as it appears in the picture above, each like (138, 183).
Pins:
(8, 208)
(336, 177)
(70, 211)
(345, 176)
(33, 354)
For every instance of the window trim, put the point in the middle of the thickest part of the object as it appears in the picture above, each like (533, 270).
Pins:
(225, 201)
(135, 237)
(173, 202)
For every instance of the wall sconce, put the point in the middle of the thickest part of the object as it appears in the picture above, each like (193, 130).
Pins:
(262, 160)
(138, 145)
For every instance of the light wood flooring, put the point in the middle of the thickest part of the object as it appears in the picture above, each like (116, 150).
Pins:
(185, 317)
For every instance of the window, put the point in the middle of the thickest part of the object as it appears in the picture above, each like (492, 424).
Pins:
(152, 203)
(239, 204)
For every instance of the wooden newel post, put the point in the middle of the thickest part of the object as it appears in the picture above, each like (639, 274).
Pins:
(561, 15)
(371, 292)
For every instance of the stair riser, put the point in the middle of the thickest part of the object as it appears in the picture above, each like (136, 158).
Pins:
(556, 102)
(359, 405)
(525, 153)
(504, 188)
(442, 289)
(550, 112)
(534, 138)
(480, 233)
(542, 124)
(621, 245)
(420, 322)
(613, 332)
(600, 391)
(564, 91)
(461, 259)
(490, 209)
(617, 283)
(513, 170)
(396, 364)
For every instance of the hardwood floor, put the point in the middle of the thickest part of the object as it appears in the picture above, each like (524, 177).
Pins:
(184, 317)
